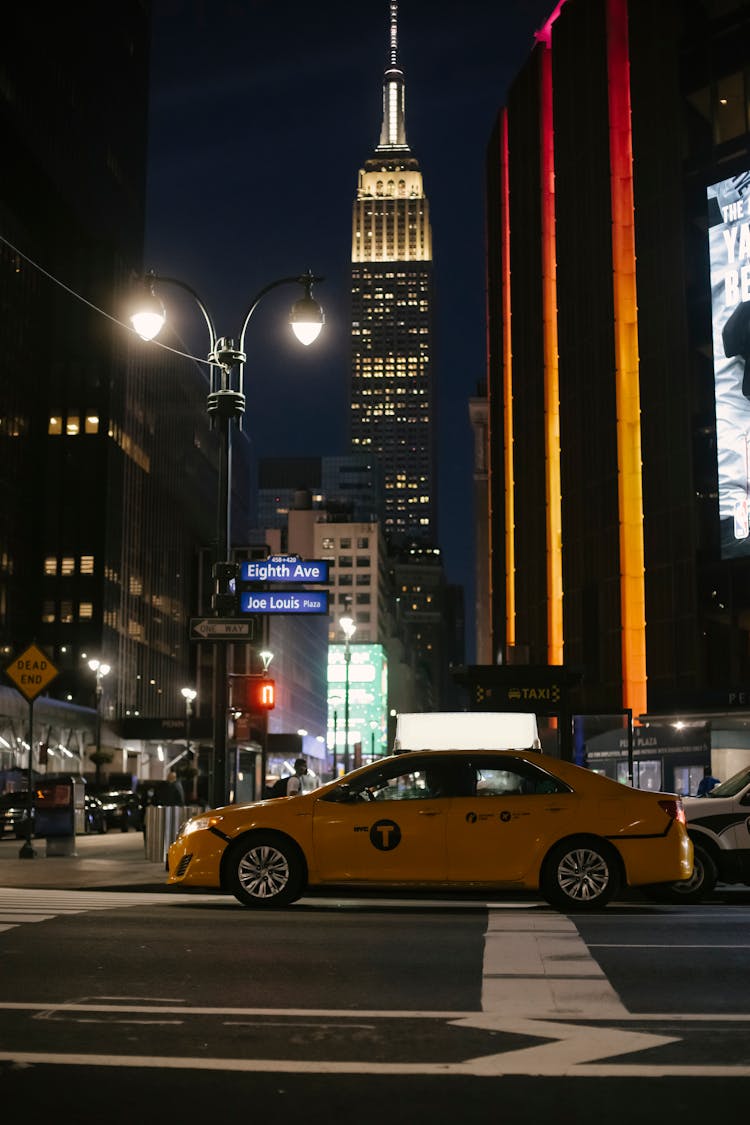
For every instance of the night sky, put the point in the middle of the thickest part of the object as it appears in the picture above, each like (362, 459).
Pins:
(262, 113)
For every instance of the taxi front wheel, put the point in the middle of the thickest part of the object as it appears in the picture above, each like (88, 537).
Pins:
(580, 875)
(264, 870)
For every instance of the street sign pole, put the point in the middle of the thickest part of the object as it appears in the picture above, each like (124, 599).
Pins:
(27, 849)
(31, 672)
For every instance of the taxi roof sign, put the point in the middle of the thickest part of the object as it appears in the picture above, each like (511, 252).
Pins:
(467, 730)
(31, 672)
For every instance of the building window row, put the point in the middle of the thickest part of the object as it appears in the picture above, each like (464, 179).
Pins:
(68, 565)
(70, 424)
(66, 612)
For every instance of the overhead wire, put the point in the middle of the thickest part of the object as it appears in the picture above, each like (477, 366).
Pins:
(102, 312)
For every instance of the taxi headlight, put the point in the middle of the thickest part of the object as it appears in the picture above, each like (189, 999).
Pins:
(199, 824)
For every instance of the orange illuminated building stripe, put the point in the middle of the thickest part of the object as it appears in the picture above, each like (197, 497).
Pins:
(630, 499)
(551, 365)
(510, 519)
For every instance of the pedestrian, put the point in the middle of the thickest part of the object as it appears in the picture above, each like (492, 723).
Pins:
(294, 785)
(172, 793)
(707, 782)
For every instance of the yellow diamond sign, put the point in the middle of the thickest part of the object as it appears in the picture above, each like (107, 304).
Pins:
(31, 672)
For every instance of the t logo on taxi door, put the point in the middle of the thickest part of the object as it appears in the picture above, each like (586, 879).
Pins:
(385, 835)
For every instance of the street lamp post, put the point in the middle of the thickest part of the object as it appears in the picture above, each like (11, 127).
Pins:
(226, 403)
(348, 628)
(101, 670)
(189, 695)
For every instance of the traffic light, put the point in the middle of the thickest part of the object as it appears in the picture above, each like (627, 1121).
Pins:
(256, 693)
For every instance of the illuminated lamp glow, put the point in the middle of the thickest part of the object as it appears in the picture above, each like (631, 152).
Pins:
(551, 367)
(630, 499)
(306, 319)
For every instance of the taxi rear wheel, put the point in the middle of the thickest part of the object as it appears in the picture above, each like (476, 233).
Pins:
(580, 874)
(264, 871)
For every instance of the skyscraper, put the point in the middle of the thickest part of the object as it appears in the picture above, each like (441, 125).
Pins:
(392, 386)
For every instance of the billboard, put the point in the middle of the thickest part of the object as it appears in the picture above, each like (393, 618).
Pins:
(368, 700)
(729, 252)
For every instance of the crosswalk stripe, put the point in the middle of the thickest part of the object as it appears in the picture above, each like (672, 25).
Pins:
(19, 905)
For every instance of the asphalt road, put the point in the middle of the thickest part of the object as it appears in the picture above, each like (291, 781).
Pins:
(370, 1009)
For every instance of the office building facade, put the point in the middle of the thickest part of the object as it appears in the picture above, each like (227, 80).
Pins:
(108, 464)
(619, 543)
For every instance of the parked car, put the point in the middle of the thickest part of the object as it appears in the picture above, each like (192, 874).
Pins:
(719, 826)
(121, 809)
(13, 813)
(461, 818)
(94, 817)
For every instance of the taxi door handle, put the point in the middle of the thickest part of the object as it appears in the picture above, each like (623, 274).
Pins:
(555, 808)
(429, 812)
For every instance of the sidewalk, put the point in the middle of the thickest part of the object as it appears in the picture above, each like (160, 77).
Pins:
(115, 861)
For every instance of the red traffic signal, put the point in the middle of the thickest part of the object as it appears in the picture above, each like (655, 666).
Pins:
(256, 693)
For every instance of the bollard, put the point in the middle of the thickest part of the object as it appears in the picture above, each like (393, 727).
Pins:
(162, 824)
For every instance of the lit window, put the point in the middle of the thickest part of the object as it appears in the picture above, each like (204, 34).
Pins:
(68, 566)
(50, 565)
(55, 424)
(48, 613)
(91, 425)
(73, 425)
(87, 564)
(66, 613)
(85, 610)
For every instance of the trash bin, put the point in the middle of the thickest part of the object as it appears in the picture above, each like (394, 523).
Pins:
(160, 829)
(57, 809)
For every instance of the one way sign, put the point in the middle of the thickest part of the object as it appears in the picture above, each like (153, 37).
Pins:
(221, 629)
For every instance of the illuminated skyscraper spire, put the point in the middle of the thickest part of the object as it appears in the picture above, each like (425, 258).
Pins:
(392, 389)
(393, 132)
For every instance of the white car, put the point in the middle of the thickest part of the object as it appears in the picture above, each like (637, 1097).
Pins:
(719, 826)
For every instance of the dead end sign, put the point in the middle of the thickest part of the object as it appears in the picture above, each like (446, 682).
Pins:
(31, 672)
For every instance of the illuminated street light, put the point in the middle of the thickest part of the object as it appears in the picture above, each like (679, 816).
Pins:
(101, 670)
(189, 695)
(348, 628)
(225, 403)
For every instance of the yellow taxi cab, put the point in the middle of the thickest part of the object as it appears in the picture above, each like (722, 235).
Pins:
(458, 818)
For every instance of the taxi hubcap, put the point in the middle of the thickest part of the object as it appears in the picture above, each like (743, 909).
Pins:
(583, 874)
(263, 872)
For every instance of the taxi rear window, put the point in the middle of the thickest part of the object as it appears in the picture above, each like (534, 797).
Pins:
(509, 777)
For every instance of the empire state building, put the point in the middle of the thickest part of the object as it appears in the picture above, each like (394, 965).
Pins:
(392, 385)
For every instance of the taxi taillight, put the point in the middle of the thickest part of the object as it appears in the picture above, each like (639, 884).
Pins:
(674, 808)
